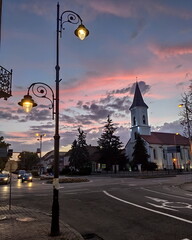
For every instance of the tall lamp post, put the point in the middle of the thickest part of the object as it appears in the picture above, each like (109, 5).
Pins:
(43, 90)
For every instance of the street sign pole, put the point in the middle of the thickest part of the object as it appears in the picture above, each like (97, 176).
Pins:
(10, 166)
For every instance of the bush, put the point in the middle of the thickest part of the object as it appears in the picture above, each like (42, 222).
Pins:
(150, 166)
(85, 171)
(65, 171)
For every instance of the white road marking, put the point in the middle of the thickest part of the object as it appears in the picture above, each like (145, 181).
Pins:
(166, 194)
(189, 194)
(156, 199)
(168, 205)
(158, 206)
(148, 209)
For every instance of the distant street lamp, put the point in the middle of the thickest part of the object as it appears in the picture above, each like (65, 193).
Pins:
(40, 139)
(42, 91)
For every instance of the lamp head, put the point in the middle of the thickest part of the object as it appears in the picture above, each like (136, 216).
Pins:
(81, 32)
(181, 105)
(27, 103)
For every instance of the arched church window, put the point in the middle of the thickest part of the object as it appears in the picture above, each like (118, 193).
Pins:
(144, 120)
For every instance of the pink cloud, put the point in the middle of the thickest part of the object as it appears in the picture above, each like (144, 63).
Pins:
(132, 8)
(169, 51)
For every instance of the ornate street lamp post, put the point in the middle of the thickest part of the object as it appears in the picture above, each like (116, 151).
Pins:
(43, 90)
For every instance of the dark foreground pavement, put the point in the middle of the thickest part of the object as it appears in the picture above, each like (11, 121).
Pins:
(21, 223)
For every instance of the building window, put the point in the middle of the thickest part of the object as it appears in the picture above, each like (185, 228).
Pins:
(134, 121)
(164, 154)
(154, 153)
(144, 120)
(181, 153)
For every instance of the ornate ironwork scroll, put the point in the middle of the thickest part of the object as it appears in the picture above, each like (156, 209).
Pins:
(5, 83)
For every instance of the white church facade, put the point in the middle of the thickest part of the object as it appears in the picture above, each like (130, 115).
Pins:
(167, 150)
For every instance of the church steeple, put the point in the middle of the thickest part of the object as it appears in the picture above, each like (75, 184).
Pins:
(139, 116)
(138, 99)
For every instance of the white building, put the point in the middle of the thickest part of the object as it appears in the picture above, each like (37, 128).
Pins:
(167, 150)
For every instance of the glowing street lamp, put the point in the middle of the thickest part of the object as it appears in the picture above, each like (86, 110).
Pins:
(44, 91)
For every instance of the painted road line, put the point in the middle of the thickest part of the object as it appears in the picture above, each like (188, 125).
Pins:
(189, 194)
(148, 209)
(166, 194)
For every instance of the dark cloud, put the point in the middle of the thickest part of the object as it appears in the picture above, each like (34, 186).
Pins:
(144, 88)
(179, 66)
(98, 110)
(172, 127)
(93, 74)
(79, 103)
(37, 115)
(8, 116)
(138, 28)
(131, 89)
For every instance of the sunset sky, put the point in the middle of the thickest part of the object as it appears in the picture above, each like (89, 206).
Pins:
(130, 40)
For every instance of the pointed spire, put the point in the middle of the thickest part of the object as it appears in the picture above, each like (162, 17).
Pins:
(138, 99)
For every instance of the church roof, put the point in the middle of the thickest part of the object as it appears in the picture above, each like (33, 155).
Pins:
(138, 99)
(165, 139)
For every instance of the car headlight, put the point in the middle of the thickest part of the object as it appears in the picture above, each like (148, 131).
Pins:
(30, 178)
(19, 175)
(5, 179)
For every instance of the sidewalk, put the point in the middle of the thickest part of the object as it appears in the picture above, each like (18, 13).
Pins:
(21, 223)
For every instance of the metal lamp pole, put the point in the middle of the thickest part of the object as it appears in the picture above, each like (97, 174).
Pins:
(41, 91)
(81, 32)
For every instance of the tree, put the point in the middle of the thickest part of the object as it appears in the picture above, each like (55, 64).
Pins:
(28, 160)
(186, 113)
(110, 145)
(140, 155)
(4, 159)
(79, 158)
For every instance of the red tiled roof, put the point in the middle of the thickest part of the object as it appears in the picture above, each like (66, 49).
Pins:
(165, 139)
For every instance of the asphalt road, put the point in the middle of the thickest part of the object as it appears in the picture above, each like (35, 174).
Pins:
(115, 208)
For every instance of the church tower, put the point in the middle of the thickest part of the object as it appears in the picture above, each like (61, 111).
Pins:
(139, 116)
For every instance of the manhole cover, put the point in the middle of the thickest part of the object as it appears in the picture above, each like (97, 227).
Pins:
(91, 236)
(25, 219)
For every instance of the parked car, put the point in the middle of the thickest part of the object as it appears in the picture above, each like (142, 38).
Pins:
(4, 178)
(21, 173)
(27, 177)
